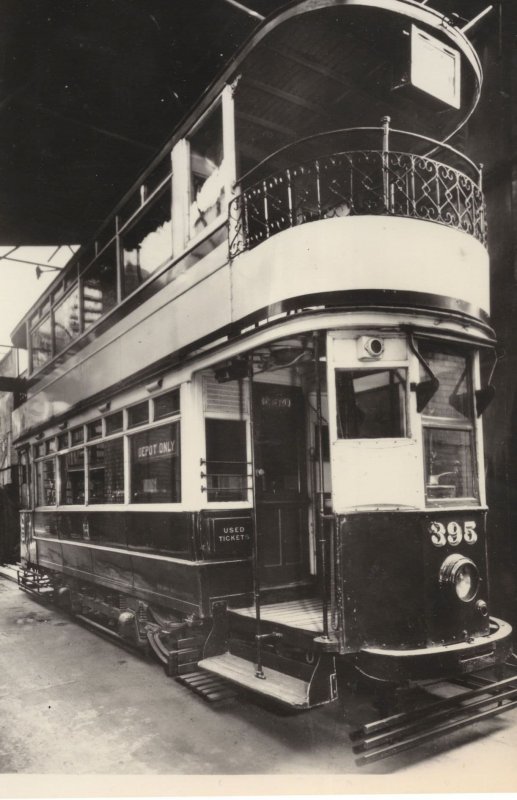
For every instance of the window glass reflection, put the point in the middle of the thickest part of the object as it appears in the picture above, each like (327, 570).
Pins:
(449, 467)
(453, 397)
(371, 404)
(448, 424)
(100, 286)
(148, 243)
(66, 320)
(41, 343)
(206, 172)
(71, 468)
(106, 472)
(45, 483)
(226, 464)
(155, 465)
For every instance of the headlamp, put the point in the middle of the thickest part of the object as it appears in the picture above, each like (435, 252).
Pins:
(462, 574)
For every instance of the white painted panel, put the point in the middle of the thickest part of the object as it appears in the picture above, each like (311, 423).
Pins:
(359, 253)
(376, 472)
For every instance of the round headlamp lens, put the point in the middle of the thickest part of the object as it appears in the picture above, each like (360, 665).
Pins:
(462, 574)
(466, 582)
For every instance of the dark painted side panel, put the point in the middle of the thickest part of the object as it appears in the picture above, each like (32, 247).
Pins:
(50, 554)
(390, 577)
(113, 566)
(382, 579)
(168, 582)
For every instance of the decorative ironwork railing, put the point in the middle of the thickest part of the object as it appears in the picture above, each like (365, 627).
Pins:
(358, 182)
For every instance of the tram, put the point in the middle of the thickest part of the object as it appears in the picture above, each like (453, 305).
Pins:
(252, 431)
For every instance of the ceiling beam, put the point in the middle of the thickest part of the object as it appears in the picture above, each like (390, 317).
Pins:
(295, 58)
(288, 97)
(266, 123)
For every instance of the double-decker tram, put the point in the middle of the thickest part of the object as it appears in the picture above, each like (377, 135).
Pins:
(252, 434)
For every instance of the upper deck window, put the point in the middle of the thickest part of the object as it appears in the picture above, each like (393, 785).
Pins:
(41, 343)
(147, 243)
(448, 425)
(100, 286)
(206, 173)
(371, 404)
(66, 320)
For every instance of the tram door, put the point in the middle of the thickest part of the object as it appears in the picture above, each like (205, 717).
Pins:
(280, 484)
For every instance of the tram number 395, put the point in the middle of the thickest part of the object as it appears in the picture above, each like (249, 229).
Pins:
(454, 533)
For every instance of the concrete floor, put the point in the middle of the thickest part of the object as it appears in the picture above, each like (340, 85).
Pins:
(73, 702)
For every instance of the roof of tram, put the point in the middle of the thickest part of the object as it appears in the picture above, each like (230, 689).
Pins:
(90, 90)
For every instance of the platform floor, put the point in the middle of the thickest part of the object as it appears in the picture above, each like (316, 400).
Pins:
(305, 614)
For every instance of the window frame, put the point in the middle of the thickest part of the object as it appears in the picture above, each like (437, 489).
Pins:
(124, 434)
(442, 423)
(373, 367)
(123, 228)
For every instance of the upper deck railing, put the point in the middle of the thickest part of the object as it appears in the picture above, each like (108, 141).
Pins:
(360, 182)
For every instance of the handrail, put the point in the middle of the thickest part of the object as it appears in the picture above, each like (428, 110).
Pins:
(357, 182)
(382, 129)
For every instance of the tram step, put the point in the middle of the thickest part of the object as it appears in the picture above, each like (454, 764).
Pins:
(210, 687)
(275, 685)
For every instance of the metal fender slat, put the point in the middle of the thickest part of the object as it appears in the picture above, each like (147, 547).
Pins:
(394, 734)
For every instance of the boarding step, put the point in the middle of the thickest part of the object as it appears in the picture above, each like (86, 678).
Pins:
(275, 685)
(298, 622)
(399, 732)
(211, 688)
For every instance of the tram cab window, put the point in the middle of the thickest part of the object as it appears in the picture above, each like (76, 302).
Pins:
(206, 173)
(371, 404)
(155, 465)
(448, 423)
(226, 467)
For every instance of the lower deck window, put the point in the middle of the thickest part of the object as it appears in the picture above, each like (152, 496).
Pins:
(155, 465)
(106, 472)
(71, 466)
(226, 467)
(371, 403)
(45, 483)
